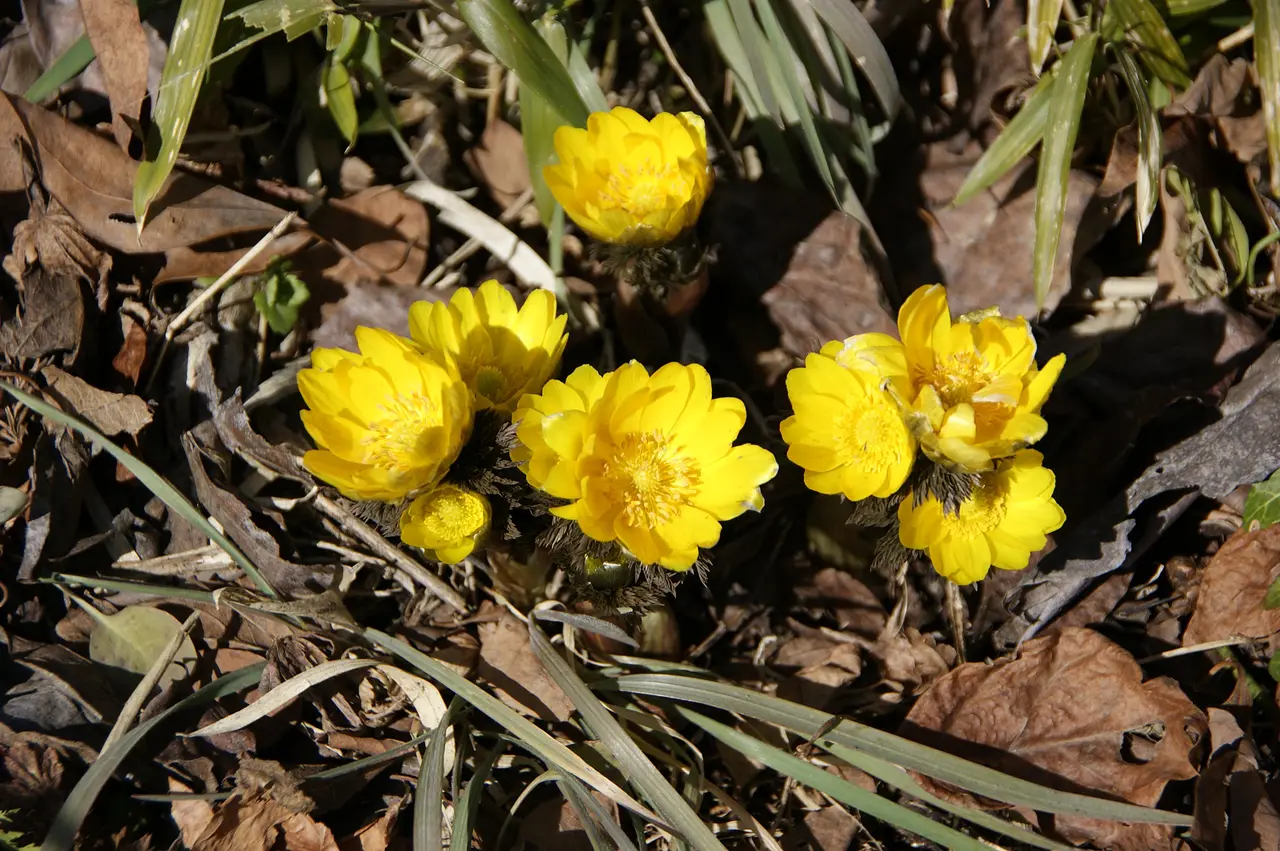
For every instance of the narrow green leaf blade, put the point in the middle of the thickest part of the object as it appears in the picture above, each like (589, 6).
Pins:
(539, 120)
(152, 480)
(509, 37)
(940, 765)
(68, 820)
(1060, 132)
(339, 97)
(1150, 142)
(184, 71)
(1262, 505)
(1143, 26)
(1042, 23)
(866, 49)
(634, 764)
(65, 69)
(829, 784)
(1016, 140)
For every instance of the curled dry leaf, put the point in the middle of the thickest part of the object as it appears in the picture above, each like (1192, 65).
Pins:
(110, 413)
(825, 666)
(1071, 712)
(124, 53)
(1233, 587)
(260, 823)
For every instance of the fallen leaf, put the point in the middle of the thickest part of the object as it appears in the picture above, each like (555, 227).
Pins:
(110, 413)
(129, 360)
(374, 305)
(508, 663)
(259, 823)
(191, 816)
(124, 54)
(93, 179)
(499, 163)
(39, 771)
(1232, 588)
(912, 659)
(385, 232)
(828, 829)
(1071, 712)
(1231, 798)
(854, 605)
(824, 667)
(135, 636)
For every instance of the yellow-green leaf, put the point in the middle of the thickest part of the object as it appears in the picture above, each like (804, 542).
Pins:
(293, 17)
(339, 97)
(1141, 25)
(1266, 51)
(1016, 140)
(1060, 132)
(1150, 142)
(184, 71)
(1042, 23)
(132, 638)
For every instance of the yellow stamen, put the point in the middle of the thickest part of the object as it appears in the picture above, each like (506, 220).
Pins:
(651, 478)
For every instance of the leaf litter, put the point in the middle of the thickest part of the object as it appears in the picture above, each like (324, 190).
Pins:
(1134, 660)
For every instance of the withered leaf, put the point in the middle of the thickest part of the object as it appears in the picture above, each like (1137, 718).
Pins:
(1233, 587)
(110, 413)
(384, 231)
(52, 320)
(508, 662)
(133, 350)
(1071, 712)
(93, 179)
(499, 162)
(259, 823)
(124, 53)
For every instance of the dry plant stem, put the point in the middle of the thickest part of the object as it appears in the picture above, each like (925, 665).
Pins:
(140, 694)
(383, 548)
(1236, 39)
(1234, 641)
(472, 245)
(197, 304)
(956, 616)
(690, 86)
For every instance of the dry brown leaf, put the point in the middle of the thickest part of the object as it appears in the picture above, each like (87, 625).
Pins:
(508, 662)
(499, 163)
(260, 823)
(93, 179)
(191, 816)
(824, 668)
(828, 829)
(1233, 587)
(1231, 798)
(384, 230)
(1073, 713)
(374, 836)
(374, 305)
(853, 604)
(124, 54)
(912, 659)
(110, 413)
(129, 360)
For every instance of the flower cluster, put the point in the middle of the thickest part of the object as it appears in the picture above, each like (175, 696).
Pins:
(939, 421)
(391, 421)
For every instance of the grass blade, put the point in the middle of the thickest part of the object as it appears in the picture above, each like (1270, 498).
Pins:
(538, 122)
(1023, 132)
(940, 765)
(68, 820)
(510, 38)
(428, 801)
(1150, 142)
(468, 803)
(1143, 26)
(530, 736)
(1042, 23)
(1266, 44)
(866, 49)
(65, 69)
(590, 811)
(829, 784)
(1066, 103)
(634, 764)
(152, 480)
(184, 71)
(282, 695)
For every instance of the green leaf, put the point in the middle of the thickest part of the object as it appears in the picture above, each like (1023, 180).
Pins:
(539, 121)
(428, 803)
(281, 296)
(1016, 140)
(868, 803)
(1061, 128)
(66, 824)
(1273, 666)
(133, 637)
(1266, 52)
(1150, 143)
(1183, 8)
(184, 71)
(1042, 23)
(1262, 505)
(510, 38)
(65, 69)
(152, 480)
(1141, 25)
(339, 97)
(292, 17)
(940, 765)
(635, 766)
(865, 47)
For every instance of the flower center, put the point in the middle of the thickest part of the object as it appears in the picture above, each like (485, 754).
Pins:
(490, 383)
(981, 513)
(645, 188)
(396, 441)
(651, 478)
(957, 377)
(873, 433)
(455, 514)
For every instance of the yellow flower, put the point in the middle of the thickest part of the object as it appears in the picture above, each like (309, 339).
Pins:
(501, 352)
(446, 520)
(1002, 523)
(645, 460)
(847, 433)
(971, 387)
(389, 421)
(630, 181)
